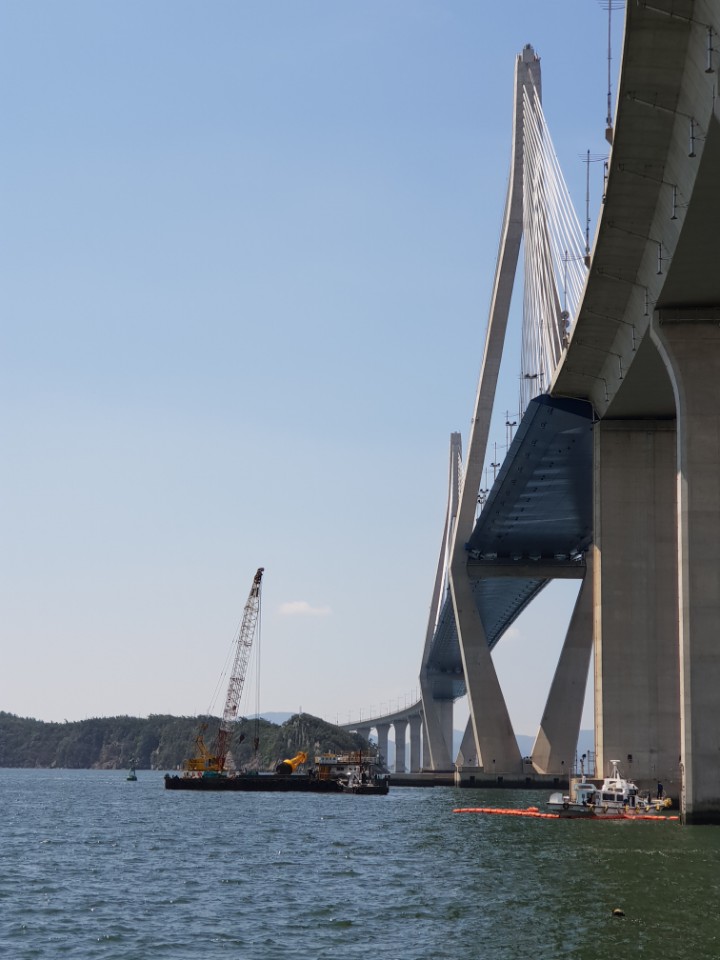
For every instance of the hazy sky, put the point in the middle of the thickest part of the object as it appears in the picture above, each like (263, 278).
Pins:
(247, 252)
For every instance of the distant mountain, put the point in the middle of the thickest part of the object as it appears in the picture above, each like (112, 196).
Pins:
(277, 717)
(163, 742)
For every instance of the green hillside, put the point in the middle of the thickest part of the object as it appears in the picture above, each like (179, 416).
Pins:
(161, 742)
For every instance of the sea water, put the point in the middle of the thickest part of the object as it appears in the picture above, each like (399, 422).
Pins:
(93, 866)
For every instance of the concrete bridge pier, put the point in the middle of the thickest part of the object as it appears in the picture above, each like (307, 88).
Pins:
(495, 746)
(400, 735)
(415, 727)
(467, 754)
(636, 641)
(365, 731)
(437, 730)
(689, 342)
(382, 730)
(556, 740)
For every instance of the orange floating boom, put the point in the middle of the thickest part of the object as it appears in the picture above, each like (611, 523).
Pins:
(509, 812)
(534, 812)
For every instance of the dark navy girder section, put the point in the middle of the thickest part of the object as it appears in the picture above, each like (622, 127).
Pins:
(540, 505)
(538, 516)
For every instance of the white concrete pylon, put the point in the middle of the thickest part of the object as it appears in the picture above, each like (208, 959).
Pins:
(438, 727)
(495, 742)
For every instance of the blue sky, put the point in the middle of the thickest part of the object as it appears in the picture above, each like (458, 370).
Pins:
(247, 251)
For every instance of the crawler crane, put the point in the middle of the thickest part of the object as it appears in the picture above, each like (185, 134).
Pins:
(213, 761)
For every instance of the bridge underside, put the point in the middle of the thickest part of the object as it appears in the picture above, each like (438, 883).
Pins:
(534, 527)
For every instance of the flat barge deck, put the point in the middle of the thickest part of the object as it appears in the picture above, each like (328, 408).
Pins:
(272, 783)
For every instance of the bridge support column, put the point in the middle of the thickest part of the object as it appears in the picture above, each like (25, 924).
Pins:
(364, 732)
(635, 624)
(400, 733)
(690, 346)
(415, 726)
(467, 755)
(556, 741)
(437, 731)
(496, 748)
(382, 739)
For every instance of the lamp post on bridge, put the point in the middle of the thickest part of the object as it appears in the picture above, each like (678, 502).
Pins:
(509, 424)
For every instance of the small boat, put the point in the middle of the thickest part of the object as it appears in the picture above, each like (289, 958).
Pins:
(616, 798)
(356, 772)
(131, 774)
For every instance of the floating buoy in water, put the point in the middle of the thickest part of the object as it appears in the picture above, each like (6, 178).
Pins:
(617, 912)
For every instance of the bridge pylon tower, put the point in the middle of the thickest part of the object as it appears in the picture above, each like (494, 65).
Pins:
(539, 216)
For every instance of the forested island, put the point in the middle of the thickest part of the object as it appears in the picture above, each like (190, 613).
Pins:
(161, 742)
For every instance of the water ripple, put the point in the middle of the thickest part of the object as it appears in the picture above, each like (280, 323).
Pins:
(96, 868)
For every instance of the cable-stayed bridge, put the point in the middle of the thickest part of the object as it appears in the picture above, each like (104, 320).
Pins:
(613, 476)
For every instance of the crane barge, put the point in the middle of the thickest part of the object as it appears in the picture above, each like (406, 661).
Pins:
(209, 769)
(213, 763)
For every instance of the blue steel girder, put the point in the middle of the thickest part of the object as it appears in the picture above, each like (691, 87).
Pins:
(535, 525)
(540, 506)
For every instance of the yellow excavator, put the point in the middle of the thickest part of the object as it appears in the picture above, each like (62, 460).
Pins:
(287, 767)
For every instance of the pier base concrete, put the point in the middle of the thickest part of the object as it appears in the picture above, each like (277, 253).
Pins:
(476, 777)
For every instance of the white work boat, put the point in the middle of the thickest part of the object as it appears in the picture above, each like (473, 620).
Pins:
(617, 798)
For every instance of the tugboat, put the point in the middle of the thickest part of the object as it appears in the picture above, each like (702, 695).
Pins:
(354, 772)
